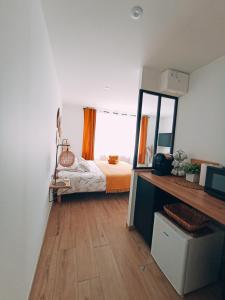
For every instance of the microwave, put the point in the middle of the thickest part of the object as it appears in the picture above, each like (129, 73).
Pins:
(215, 182)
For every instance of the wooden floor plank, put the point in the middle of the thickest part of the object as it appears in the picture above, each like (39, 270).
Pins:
(67, 233)
(121, 238)
(53, 221)
(96, 229)
(130, 271)
(102, 211)
(86, 264)
(66, 277)
(156, 284)
(44, 281)
(89, 254)
(111, 279)
(90, 290)
(96, 289)
(84, 290)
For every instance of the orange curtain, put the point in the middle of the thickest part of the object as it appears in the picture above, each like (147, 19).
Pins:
(143, 140)
(89, 133)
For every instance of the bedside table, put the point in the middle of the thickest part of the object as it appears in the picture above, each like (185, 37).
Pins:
(61, 184)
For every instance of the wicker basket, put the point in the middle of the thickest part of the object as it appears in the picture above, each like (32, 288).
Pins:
(187, 217)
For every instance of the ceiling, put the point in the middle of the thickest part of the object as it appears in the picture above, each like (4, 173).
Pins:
(99, 50)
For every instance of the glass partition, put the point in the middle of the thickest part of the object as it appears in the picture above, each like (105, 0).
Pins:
(147, 130)
(155, 128)
(165, 133)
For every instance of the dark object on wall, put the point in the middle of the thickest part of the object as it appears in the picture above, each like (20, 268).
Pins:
(58, 123)
(165, 139)
(215, 182)
(162, 164)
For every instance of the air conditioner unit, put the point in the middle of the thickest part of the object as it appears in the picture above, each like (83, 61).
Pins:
(174, 83)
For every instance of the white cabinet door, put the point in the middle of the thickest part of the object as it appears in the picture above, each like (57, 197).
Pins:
(169, 249)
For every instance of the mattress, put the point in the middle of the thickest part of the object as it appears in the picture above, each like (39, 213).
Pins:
(93, 181)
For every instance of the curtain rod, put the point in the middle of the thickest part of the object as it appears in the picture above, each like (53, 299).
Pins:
(111, 112)
(115, 113)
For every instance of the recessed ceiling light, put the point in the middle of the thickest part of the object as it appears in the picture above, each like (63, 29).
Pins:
(136, 12)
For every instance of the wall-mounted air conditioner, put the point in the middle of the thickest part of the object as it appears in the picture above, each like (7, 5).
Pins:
(174, 82)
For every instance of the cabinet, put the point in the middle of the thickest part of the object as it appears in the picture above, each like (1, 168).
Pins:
(223, 272)
(149, 199)
(198, 258)
(152, 192)
(144, 208)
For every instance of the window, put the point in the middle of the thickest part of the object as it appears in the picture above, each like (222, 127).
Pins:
(115, 134)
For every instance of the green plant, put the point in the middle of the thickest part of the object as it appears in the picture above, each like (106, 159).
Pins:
(192, 168)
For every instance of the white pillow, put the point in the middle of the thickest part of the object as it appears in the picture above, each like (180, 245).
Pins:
(83, 166)
(79, 165)
(80, 159)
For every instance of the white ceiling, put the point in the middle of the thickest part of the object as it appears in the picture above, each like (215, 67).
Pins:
(96, 44)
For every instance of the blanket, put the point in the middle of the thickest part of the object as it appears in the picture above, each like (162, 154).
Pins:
(117, 176)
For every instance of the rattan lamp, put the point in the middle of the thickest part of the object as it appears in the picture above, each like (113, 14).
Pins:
(66, 157)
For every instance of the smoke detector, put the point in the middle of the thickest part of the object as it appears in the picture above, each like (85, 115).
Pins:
(136, 12)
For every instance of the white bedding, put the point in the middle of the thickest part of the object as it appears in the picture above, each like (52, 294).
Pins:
(93, 181)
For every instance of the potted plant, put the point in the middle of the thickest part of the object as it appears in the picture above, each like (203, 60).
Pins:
(192, 172)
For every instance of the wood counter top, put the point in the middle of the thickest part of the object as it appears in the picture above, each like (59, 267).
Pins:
(209, 205)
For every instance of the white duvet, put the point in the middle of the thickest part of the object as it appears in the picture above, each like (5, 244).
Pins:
(92, 181)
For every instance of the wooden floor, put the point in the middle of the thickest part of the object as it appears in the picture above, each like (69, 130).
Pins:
(89, 254)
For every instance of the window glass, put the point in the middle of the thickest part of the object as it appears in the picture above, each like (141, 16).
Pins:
(115, 135)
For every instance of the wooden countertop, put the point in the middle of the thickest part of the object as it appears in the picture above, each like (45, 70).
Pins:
(209, 205)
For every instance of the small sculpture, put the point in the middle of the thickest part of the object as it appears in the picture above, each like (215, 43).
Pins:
(178, 163)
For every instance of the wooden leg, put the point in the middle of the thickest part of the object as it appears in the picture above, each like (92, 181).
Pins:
(59, 199)
(49, 195)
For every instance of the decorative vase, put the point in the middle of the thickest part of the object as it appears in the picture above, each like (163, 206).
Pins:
(192, 177)
(178, 163)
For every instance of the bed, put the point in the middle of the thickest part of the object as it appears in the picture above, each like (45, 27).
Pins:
(100, 177)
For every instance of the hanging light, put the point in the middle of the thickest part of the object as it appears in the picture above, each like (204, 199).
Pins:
(66, 157)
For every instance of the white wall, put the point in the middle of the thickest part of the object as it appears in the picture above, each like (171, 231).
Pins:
(150, 79)
(28, 103)
(72, 124)
(200, 129)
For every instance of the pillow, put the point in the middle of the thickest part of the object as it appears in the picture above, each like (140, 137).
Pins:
(83, 166)
(113, 159)
(79, 165)
(80, 159)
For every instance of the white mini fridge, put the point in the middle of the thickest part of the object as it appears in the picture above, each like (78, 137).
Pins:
(188, 262)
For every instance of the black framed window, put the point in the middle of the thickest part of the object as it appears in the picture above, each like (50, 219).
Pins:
(155, 128)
